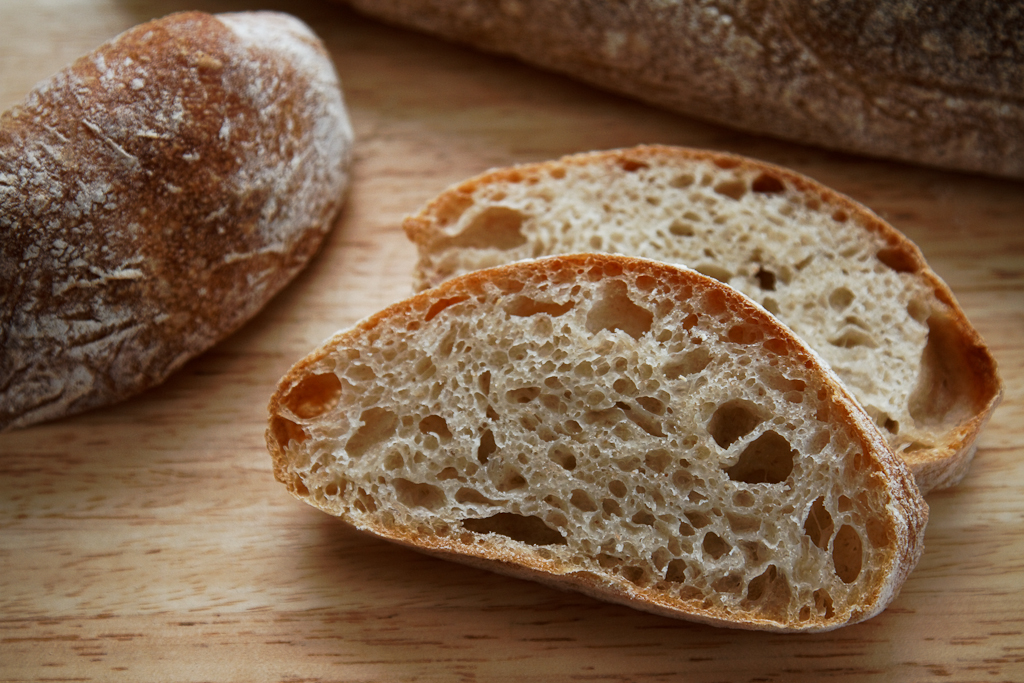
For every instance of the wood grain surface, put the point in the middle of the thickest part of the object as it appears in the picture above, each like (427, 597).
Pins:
(149, 542)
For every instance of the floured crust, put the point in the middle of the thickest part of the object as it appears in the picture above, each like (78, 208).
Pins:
(935, 84)
(867, 301)
(153, 196)
(315, 427)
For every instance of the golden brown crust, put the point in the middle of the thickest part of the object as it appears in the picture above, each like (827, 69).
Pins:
(914, 81)
(151, 201)
(908, 510)
(936, 467)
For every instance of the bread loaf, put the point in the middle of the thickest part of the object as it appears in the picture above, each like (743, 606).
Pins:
(848, 283)
(153, 196)
(930, 83)
(619, 426)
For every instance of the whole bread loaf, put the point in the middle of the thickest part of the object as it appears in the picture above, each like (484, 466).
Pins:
(854, 288)
(619, 426)
(153, 196)
(930, 83)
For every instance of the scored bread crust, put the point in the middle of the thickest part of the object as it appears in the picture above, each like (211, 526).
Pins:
(930, 83)
(336, 444)
(154, 195)
(820, 261)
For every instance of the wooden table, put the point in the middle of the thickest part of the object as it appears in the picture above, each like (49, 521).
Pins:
(149, 542)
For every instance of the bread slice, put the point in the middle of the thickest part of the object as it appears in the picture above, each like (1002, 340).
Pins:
(619, 426)
(154, 195)
(854, 288)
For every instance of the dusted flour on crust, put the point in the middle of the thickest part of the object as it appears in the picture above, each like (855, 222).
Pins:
(618, 426)
(153, 196)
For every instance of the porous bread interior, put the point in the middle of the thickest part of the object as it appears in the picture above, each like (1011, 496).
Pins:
(851, 292)
(604, 422)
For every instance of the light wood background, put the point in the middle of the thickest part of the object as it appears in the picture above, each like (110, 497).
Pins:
(149, 542)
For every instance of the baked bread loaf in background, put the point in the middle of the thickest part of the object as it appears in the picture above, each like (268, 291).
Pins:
(929, 83)
(849, 284)
(619, 426)
(153, 196)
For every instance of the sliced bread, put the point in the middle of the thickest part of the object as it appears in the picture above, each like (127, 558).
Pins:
(619, 426)
(854, 288)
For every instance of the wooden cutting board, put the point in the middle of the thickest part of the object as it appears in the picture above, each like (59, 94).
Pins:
(149, 542)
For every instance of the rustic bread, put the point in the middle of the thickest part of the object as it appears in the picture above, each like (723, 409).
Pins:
(854, 288)
(930, 83)
(620, 426)
(153, 196)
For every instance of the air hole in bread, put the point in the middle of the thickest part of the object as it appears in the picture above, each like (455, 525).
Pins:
(766, 460)
(448, 473)
(840, 298)
(840, 216)
(467, 495)
(715, 546)
(314, 395)
(743, 524)
(899, 260)
(918, 310)
(563, 457)
(770, 591)
(642, 420)
(676, 571)
(616, 311)
(745, 333)
(581, 500)
(523, 528)
(765, 279)
(284, 430)
(818, 526)
(617, 488)
(435, 424)
(847, 553)
(715, 271)
(378, 425)
(611, 507)
(766, 183)
(442, 304)
(682, 180)
(852, 337)
(697, 519)
(522, 394)
(487, 446)
(394, 461)
(823, 603)
(733, 420)
(680, 228)
(523, 306)
(496, 227)
(744, 498)
(690, 363)
(658, 460)
(644, 517)
(419, 495)
(660, 558)
(632, 165)
(511, 479)
(733, 189)
(878, 533)
(945, 389)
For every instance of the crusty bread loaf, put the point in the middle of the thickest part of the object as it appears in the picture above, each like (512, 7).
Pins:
(930, 83)
(620, 426)
(854, 288)
(153, 196)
